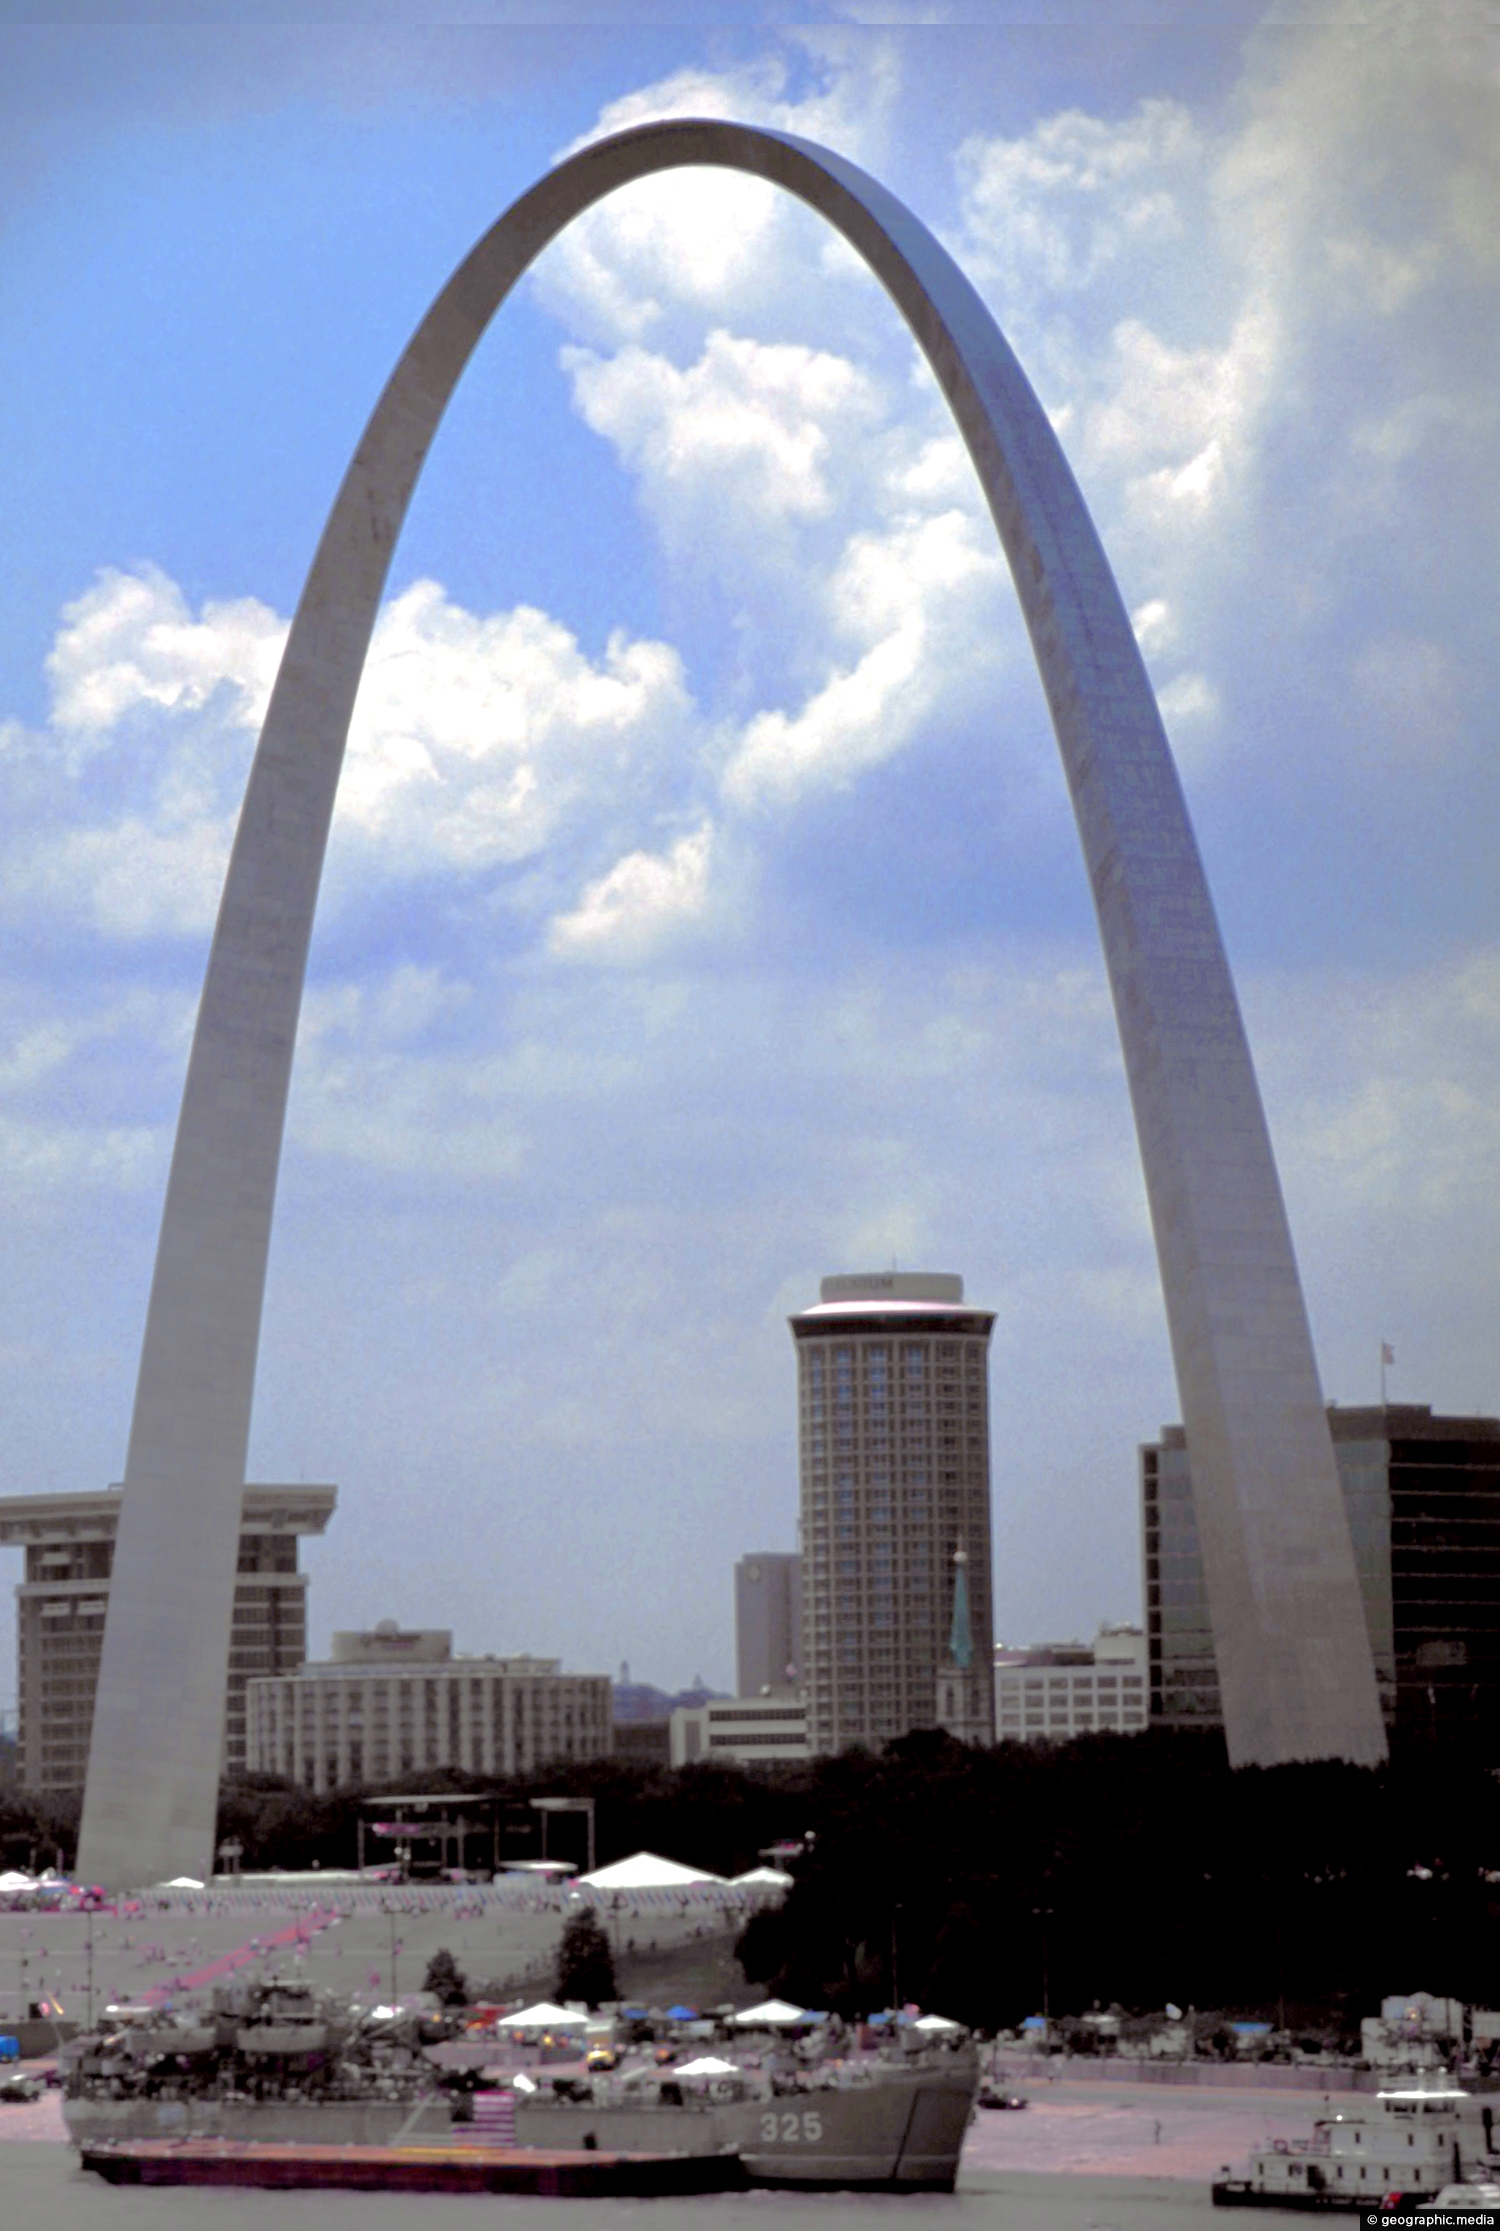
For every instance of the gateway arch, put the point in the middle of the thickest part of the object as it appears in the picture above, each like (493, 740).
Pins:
(1294, 1660)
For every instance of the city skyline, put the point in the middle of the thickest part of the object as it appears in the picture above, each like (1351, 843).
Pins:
(644, 934)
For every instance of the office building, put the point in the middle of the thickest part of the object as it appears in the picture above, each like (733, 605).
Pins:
(742, 1731)
(768, 1621)
(893, 1399)
(393, 1701)
(1422, 1495)
(69, 1541)
(1056, 1690)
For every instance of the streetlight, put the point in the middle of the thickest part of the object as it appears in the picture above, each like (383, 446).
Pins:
(395, 1948)
(1044, 1915)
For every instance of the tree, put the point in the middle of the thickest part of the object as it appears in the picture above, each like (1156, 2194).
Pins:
(445, 1979)
(585, 1963)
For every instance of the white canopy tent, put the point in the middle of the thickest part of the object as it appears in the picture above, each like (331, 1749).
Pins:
(774, 2014)
(763, 1878)
(644, 1870)
(708, 2064)
(935, 2022)
(543, 2016)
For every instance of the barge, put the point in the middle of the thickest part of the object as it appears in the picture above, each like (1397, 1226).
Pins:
(550, 2174)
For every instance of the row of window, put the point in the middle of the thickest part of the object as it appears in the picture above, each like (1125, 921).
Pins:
(749, 1741)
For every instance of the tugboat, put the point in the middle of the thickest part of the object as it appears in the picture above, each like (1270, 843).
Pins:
(1404, 2150)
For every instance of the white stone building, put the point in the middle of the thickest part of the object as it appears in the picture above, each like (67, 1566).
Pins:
(1060, 1689)
(394, 1701)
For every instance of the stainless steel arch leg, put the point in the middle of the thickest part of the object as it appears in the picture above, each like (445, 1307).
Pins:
(1294, 1659)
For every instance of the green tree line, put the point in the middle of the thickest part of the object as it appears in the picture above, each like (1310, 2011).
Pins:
(1126, 1871)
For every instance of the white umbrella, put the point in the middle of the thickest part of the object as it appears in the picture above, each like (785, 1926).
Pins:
(543, 2016)
(645, 1871)
(708, 2065)
(181, 1882)
(936, 2022)
(774, 2014)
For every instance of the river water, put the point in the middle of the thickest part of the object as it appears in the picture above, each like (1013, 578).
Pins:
(42, 2188)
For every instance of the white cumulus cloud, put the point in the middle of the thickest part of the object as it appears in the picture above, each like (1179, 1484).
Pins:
(475, 739)
(475, 735)
(131, 640)
(650, 251)
(645, 900)
(921, 597)
(752, 427)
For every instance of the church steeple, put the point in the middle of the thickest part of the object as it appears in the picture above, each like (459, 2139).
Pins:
(963, 1705)
(960, 1640)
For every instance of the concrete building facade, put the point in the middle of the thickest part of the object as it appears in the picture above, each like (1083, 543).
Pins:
(893, 1403)
(393, 1701)
(1294, 1662)
(69, 1540)
(1422, 1494)
(1052, 1691)
(740, 1731)
(768, 1621)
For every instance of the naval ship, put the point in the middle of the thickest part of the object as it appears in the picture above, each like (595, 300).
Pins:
(277, 2066)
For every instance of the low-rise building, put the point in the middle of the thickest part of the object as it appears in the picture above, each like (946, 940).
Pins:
(69, 1540)
(643, 1717)
(741, 1731)
(393, 1701)
(1055, 1690)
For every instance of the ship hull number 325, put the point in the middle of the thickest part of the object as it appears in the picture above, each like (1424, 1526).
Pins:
(791, 2129)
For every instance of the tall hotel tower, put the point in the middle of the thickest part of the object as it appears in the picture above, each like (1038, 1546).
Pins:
(895, 1448)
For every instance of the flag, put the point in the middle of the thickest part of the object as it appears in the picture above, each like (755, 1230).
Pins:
(1387, 1352)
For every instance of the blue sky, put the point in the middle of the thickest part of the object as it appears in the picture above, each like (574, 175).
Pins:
(704, 911)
